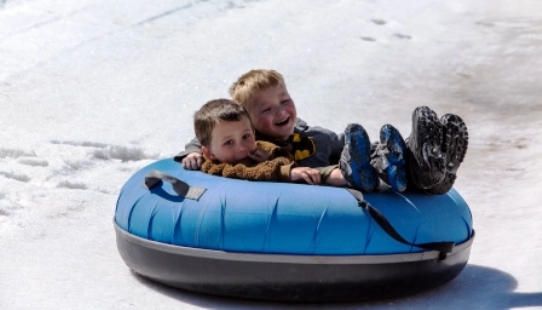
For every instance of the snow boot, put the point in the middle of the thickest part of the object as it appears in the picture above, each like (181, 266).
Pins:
(355, 162)
(425, 159)
(456, 140)
(389, 158)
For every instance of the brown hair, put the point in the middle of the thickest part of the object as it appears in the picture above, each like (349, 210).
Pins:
(252, 82)
(213, 112)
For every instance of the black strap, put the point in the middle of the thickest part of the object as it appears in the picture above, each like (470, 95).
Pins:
(155, 177)
(380, 219)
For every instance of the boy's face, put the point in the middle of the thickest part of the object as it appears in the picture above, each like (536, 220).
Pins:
(273, 112)
(231, 142)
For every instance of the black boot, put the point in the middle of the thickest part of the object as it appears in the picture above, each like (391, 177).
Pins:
(456, 140)
(426, 158)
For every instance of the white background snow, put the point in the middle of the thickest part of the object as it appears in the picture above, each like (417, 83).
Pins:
(93, 90)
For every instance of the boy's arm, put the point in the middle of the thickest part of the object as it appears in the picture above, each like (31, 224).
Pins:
(277, 169)
(337, 145)
(191, 147)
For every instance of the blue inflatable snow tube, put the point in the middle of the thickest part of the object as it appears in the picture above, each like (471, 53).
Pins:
(267, 220)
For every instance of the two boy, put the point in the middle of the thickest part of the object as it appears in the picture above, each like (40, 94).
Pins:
(229, 145)
(428, 161)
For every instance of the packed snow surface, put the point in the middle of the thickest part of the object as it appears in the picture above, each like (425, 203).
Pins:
(93, 90)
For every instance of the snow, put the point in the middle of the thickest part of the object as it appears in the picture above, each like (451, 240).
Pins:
(93, 90)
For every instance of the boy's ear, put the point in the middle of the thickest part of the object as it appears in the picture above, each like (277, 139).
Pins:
(207, 153)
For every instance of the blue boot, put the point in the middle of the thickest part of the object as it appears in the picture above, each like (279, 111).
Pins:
(355, 162)
(389, 158)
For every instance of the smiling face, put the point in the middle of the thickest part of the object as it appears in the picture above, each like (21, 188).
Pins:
(273, 112)
(231, 141)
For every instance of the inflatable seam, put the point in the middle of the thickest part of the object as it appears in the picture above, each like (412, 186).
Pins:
(468, 227)
(177, 233)
(151, 220)
(317, 229)
(415, 239)
(269, 223)
(410, 203)
(370, 233)
(118, 199)
(222, 227)
(202, 217)
(130, 226)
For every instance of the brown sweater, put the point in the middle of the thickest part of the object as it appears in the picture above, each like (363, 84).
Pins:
(277, 168)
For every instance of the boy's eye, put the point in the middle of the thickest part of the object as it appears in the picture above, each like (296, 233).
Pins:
(285, 101)
(228, 143)
(266, 110)
(247, 136)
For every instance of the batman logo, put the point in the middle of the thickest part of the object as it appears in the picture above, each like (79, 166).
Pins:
(303, 147)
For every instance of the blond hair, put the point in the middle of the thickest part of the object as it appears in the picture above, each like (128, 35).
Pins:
(253, 82)
(214, 111)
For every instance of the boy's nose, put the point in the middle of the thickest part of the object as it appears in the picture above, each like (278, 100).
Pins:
(241, 148)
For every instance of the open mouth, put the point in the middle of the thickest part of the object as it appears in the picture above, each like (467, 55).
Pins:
(283, 122)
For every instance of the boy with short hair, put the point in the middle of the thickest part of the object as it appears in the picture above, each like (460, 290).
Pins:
(435, 147)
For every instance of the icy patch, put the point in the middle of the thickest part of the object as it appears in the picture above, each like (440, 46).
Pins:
(82, 143)
(106, 191)
(71, 185)
(34, 162)
(15, 176)
(5, 152)
(78, 164)
(3, 210)
(378, 21)
(108, 151)
(402, 36)
(121, 152)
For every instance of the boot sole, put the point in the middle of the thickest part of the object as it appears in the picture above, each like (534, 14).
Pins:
(456, 140)
(396, 172)
(426, 160)
(363, 175)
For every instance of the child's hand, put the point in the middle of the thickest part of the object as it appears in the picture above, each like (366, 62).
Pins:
(259, 155)
(193, 161)
(309, 175)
